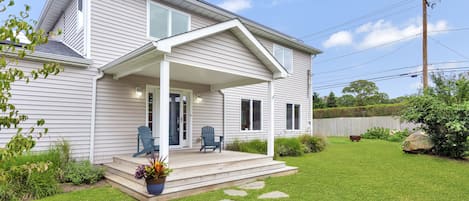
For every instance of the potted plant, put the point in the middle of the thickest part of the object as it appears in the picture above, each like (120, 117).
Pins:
(155, 174)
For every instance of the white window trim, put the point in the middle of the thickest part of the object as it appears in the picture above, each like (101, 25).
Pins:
(171, 10)
(277, 46)
(251, 115)
(293, 118)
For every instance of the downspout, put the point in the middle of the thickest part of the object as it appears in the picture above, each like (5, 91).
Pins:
(93, 113)
(222, 92)
(310, 80)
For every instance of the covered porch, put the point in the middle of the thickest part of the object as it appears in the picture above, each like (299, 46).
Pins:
(217, 57)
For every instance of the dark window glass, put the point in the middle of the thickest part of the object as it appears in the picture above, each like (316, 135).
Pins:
(297, 117)
(245, 113)
(289, 116)
(256, 115)
(80, 5)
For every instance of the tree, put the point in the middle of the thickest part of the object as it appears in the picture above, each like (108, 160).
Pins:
(11, 51)
(443, 113)
(318, 102)
(331, 100)
(365, 93)
(346, 100)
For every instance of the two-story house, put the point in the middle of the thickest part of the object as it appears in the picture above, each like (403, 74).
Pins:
(173, 65)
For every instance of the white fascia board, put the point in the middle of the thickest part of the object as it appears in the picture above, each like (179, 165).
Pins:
(47, 57)
(137, 52)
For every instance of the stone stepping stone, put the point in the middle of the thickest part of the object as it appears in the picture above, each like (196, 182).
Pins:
(273, 195)
(232, 192)
(226, 200)
(253, 186)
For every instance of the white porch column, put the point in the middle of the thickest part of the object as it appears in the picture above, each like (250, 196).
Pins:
(271, 137)
(164, 109)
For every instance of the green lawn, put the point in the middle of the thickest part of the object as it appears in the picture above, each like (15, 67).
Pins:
(368, 170)
(105, 193)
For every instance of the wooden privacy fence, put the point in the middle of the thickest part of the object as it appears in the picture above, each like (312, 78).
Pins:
(346, 126)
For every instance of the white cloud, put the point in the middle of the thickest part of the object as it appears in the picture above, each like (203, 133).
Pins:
(235, 5)
(382, 32)
(340, 38)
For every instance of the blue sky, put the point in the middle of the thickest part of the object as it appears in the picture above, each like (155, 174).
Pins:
(361, 29)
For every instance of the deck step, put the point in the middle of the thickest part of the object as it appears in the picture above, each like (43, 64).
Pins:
(198, 174)
(138, 190)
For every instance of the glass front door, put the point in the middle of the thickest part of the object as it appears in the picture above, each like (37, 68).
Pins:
(178, 116)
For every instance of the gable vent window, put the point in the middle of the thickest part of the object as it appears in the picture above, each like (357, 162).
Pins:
(80, 15)
(165, 21)
(284, 56)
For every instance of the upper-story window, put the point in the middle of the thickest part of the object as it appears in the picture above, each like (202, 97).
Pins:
(80, 15)
(164, 21)
(284, 56)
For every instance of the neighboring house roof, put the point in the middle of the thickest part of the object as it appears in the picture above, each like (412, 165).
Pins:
(165, 45)
(59, 48)
(54, 51)
(54, 8)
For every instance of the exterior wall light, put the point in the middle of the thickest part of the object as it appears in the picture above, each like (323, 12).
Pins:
(138, 92)
(198, 99)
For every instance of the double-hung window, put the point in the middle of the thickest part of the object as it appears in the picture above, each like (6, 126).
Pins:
(165, 22)
(251, 113)
(284, 56)
(293, 117)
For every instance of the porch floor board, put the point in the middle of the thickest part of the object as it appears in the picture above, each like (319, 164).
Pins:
(195, 172)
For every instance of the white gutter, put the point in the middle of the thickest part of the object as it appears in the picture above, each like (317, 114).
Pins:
(93, 113)
(48, 57)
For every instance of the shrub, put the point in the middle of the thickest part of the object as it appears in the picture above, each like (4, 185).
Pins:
(312, 143)
(83, 172)
(30, 183)
(362, 111)
(443, 112)
(376, 133)
(288, 147)
(253, 146)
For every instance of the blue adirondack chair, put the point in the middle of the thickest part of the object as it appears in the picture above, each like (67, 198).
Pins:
(148, 142)
(208, 139)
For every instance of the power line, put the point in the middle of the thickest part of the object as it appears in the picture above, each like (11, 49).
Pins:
(447, 47)
(320, 35)
(389, 43)
(379, 11)
(392, 69)
(366, 62)
(395, 76)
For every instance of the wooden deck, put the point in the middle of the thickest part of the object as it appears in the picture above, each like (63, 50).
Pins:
(195, 172)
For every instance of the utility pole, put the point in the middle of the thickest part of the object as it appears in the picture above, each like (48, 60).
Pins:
(424, 44)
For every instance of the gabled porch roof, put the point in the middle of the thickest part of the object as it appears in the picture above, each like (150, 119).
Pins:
(150, 54)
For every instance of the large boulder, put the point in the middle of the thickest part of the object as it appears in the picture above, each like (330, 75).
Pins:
(417, 142)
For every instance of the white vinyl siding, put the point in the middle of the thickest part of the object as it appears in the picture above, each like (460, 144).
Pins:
(119, 27)
(63, 101)
(72, 34)
(284, 56)
(222, 52)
